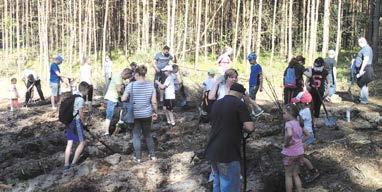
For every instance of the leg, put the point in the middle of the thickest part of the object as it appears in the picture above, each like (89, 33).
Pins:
(308, 163)
(364, 94)
(230, 176)
(296, 178)
(78, 152)
(288, 178)
(216, 177)
(109, 115)
(146, 130)
(137, 131)
(39, 90)
(28, 94)
(67, 152)
(172, 118)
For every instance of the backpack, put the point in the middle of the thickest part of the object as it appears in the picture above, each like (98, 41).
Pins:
(290, 78)
(65, 112)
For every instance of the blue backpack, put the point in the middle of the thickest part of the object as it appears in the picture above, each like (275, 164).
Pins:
(290, 78)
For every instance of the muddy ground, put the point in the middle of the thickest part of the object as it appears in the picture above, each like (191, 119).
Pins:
(33, 143)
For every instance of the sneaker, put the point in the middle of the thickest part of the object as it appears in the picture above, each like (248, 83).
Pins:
(152, 157)
(135, 160)
(66, 167)
(106, 134)
(173, 123)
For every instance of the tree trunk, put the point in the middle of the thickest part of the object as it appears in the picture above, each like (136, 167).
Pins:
(290, 35)
(185, 31)
(375, 37)
(206, 10)
(258, 40)
(153, 24)
(172, 28)
(104, 32)
(198, 26)
(339, 30)
(236, 28)
(273, 31)
(326, 27)
(250, 26)
(168, 33)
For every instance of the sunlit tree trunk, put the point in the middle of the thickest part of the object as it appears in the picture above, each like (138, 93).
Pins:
(326, 27)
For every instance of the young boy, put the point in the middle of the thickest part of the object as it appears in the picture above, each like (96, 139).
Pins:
(75, 130)
(169, 93)
(13, 95)
(210, 81)
(255, 82)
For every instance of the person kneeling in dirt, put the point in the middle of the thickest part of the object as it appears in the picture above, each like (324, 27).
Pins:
(145, 111)
(319, 83)
(229, 116)
(293, 151)
(303, 101)
(75, 130)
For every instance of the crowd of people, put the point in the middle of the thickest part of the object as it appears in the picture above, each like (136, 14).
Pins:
(230, 107)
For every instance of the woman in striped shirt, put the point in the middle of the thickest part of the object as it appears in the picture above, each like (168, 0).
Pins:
(145, 110)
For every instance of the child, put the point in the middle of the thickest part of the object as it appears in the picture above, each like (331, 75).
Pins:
(303, 100)
(169, 92)
(75, 130)
(13, 95)
(255, 82)
(210, 81)
(293, 150)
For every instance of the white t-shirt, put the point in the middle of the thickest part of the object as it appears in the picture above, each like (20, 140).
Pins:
(222, 91)
(306, 116)
(86, 73)
(28, 72)
(207, 84)
(170, 87)
(107, 67)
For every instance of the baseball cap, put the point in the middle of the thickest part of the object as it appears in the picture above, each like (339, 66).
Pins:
(211, 71)
(238, 88)
(302, 97)
(167, 68)
(252, 56)
(59, 58)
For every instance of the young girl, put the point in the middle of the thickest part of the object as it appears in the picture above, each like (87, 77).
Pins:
(75, 130)
(293, 150)
(169, 92)
(303, 101)
(13, 95)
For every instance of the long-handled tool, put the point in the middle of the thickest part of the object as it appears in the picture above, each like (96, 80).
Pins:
(330, 121)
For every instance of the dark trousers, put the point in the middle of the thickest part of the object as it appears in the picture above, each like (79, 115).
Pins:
(142, 126)
(289, 93)
(317, 102)
(89, 97)
(28, 94)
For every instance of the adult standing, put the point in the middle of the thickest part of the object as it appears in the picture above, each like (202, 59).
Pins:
(293, 78)
(32, 80)
(229, 117)
(86, 76)
(365, 73)
(115, 90)
(145, 110)
(331, 66)
(55, 80)
(224, 60)
(107, 71)
(161, 60)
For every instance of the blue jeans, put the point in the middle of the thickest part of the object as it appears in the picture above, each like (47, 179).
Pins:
(143, 126)
(364, 95)
(332, 86)
(226, 176)
(110, 109)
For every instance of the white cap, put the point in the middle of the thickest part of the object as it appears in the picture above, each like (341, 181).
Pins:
(332, 53)
(167, 68)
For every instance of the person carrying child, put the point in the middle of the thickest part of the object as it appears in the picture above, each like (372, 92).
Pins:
(303, 102)
(13, 95)
(75, 129)
(293, 151)
(318, 84)
(255, 82)
(169, 93)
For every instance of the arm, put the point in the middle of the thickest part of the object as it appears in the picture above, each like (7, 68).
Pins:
(160, 85)
(364, 63)
(154, 105)
(335, 74)
(249, 126)
(213, 92)
(288, 136)
(261, 82)
(125, 96)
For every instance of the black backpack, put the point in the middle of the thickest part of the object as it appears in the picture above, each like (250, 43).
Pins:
(65, 113)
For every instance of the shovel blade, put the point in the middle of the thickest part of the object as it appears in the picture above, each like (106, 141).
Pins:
(330, 122)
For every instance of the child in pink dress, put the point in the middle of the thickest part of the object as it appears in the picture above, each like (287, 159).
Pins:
(13, 95)
(293, 150)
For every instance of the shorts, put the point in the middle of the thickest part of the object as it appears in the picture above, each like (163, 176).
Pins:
(169, 104)
(253, 91)
(55, 89)
(293, 160)
(75, 131)
(110, 109)
(310, 140)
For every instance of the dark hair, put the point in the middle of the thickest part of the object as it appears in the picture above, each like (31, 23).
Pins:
(293, 62)
(13, 79)
(133, 64)
(83, 87)
(300, 59)
(229, 73)
(166, 47)
(174, 67)
(319, 62)
(30, 78)
(141, 70)
(292, 109)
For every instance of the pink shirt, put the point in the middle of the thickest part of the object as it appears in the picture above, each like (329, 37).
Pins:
(297, 147)
(224, 62)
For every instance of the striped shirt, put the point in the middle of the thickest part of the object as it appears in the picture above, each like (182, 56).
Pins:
(141, 93)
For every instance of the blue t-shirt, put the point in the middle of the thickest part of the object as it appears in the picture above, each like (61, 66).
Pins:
(366, 51)
(256, 70)
(54, 78)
